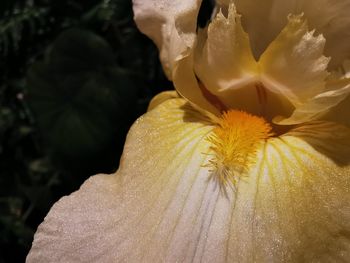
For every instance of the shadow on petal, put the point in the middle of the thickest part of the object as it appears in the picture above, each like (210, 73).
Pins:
(328, 138)
(197, 115)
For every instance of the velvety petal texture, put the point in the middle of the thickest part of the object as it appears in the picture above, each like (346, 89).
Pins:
(165, 205)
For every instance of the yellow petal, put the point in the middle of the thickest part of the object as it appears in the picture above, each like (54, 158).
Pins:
(294, 206)
(163, 205)
(161, 97)
(155, 208)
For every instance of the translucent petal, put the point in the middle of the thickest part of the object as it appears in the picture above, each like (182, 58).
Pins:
(332, 19)
(163, 205)
(170, 24)
(224, 59)
(263, 20)
(331, 105)
(186, 84)
(293, 65)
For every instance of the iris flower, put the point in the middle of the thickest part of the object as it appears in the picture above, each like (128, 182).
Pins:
(248, 161)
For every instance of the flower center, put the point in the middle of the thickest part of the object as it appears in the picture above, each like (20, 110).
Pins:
(235, 142)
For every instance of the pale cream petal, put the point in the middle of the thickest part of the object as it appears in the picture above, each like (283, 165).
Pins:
(171, 24)
(223, 59)
(225, 66)
(293, 65)
(187, 85)
(331, 18)
(163, 205)
(263, 20)
(293, 206)
(156, 208)
(331, 105)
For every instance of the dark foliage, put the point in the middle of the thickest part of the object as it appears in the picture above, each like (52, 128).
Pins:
(74, 76)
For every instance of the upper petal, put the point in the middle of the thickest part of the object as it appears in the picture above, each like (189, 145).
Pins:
(170, 24)
(331, 104)
(293, 64)
(263, 20)
(224, 59)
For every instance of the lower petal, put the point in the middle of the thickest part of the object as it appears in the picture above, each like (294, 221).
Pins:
(157, 206)
(163, 205)
(294, 205)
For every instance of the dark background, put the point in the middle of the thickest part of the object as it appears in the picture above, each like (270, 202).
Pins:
(74, 75)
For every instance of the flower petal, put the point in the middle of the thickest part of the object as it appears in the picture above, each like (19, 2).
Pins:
(162, 97)
(331, 105)
(332, 19)
(294, 204)
(157, 206)
(263, 20)
(170, 24)
(186, 84)
(224, 59)
(163, 206)
(226, 67)
(293, 65)
(340, 113)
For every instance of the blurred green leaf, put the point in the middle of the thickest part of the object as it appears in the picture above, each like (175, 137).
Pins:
(81, 99)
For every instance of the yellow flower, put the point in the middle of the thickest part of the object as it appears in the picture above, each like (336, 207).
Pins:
(250, 164)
